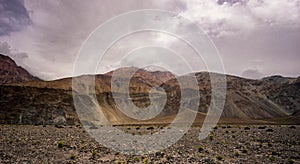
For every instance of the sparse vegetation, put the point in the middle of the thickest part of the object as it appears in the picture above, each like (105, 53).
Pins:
(58, 126)
(245, 146)
(150, 128)
(60, 144)
(137, 159)
(219, 157)
(200, 148)
(290, 161)
(72, 157)
(94, 153)
(168, 157)
(236, 153)
(270, 144)
(244, 151)
(272, 158)
(247, 128)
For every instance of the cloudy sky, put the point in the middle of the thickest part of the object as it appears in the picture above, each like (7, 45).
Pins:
(255, 38)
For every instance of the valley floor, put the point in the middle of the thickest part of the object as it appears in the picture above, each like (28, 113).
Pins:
(226, 144)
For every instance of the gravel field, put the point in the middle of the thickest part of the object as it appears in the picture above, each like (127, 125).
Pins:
(226, 144)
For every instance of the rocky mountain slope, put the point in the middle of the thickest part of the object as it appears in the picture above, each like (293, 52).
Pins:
(51, 102)
(10, 72)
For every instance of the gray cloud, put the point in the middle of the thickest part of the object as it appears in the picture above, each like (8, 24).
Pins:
(234, 17)
(13, 16)
(19, 57)
(243, 31)
(252, 73)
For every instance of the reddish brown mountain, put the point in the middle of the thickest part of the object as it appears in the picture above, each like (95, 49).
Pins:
(271, 99)
(10, 72)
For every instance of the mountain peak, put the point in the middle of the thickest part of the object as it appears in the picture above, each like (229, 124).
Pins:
(10, 72)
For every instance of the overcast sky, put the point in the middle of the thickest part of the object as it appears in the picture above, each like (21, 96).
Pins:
(255, 38)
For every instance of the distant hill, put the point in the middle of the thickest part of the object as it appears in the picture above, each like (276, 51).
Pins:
(269, 100)
(10, 72)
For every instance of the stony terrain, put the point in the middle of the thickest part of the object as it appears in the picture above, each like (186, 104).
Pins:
(226, 144)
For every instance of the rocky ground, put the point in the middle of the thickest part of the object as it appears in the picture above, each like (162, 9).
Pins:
(226, 144)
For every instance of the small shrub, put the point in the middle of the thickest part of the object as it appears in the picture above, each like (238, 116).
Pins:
(292, 127)
(262, 127)
(60, 144)
(244, 151)
(274, 153)
(58, 126)
(215, 127)
(270, 145)
(211, 137)
(228, 126)
(146, 161)
(219, 157)
(150, 128)
(236, 153)
(159, 154)
(200, 148)
(169, 157)
(272, 158)
(290, 161)
(137, 159)
(269, 130)
(226, 131)
(137, 128)
(94, 153)
(247, 128)
(72, 157)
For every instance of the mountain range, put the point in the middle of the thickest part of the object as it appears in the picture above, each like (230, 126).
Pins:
(26, 99)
